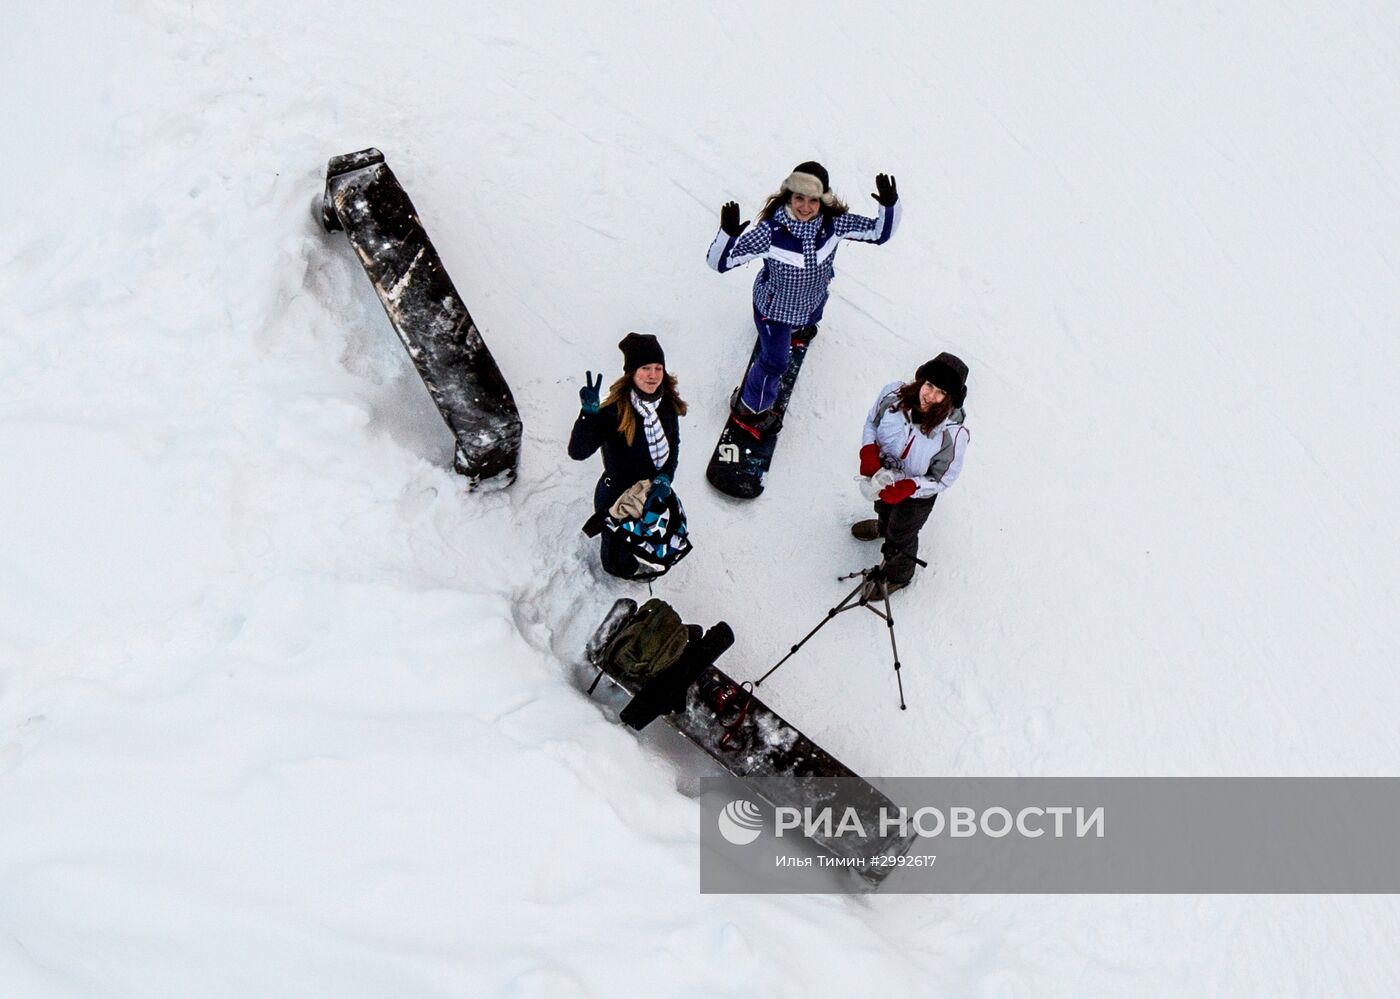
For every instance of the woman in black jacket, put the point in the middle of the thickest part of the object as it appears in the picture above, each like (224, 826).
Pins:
(637, 426)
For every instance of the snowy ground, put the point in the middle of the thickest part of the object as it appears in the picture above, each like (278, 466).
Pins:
(283, 712)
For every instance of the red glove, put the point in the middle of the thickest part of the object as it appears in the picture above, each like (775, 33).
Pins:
(898, 492)
(869, 460)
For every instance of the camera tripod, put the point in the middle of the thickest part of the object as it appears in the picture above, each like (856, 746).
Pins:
(859, 598)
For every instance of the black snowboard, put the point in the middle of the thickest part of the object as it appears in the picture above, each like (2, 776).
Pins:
(363, 197)
(742, 457)
(775, 761)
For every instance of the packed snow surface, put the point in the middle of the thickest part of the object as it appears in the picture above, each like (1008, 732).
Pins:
(284, 711)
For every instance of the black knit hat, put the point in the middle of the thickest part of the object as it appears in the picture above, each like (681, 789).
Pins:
(639, 349)
(948, 372)
(810, 178)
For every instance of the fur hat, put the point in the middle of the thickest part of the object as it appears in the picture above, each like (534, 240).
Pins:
(811, 179)
(639, 349)
(948, 372)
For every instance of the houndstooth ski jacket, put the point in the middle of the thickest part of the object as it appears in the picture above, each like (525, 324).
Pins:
(798, 257)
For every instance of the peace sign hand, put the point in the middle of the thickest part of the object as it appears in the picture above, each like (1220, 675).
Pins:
(588, 395)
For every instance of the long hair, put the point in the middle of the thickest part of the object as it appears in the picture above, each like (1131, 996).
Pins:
(779, 198)
(620, 395)
(909, 403)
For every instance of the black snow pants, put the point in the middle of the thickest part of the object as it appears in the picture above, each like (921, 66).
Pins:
(617, 559)
(900, 524)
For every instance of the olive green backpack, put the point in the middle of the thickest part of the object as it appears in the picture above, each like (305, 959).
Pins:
(652, 639)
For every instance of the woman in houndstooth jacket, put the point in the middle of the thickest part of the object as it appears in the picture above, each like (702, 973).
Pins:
(796, 237)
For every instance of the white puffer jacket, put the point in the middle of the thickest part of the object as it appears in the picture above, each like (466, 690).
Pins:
(932, 460)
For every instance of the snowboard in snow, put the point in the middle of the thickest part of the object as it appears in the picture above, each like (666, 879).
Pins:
(742, 456)
(773, 758)
(364, 198)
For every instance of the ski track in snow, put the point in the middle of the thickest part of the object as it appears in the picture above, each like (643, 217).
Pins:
(284, 711)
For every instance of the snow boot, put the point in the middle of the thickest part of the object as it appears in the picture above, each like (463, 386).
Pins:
(866, 530)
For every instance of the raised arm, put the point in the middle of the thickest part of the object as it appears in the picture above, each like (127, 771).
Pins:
(591, 427)
(882, 226)
(732, 246)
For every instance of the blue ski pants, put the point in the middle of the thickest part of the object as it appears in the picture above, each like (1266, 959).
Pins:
(765, 375)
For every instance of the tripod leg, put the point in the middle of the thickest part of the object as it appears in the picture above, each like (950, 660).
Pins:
(889, 625)
(845, 604)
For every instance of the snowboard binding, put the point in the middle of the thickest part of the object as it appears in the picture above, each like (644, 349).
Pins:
(758, 425)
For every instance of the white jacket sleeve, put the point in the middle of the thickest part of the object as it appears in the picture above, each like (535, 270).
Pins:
(870, 436)
(929, 486)
(728, 252)
(867, 230)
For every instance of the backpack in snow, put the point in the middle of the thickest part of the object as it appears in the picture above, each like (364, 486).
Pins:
(658, 538)
(652, 639)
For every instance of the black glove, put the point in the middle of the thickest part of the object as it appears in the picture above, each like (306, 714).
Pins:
(588, 395)
(884, 185)
(729, 219)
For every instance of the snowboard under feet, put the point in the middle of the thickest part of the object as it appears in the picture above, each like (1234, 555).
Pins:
(741, 458)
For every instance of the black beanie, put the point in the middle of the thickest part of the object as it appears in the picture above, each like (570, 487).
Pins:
(640, 349)
(948, 372)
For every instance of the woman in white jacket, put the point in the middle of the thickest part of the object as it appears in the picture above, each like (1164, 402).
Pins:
(913, 449)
